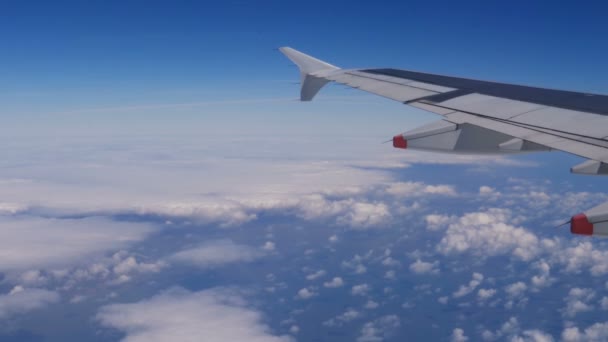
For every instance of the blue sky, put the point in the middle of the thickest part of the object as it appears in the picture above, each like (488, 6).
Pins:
(158, 180)
(64, 57)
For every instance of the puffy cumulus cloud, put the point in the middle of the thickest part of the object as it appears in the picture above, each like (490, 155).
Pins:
(464, 290)
(351, 212)
(487, 234)
(363, 215)
(334, 283)
(33, 243)
(510, 327)
(412, 189)
(421, 267)
(435, 221)
(485, 294)
(516, 289)
(119, 268)
(390, 274)
(315, 275)
(356, 264)
(379, 329)
(577, 301)
(534, 335)
(539, 200)
(126, 264)
(543, 278)
(345, 317)
(511, 331)
(594, 333)
(370, 305)
(485, 190)
(216, 253)
(516, 295)
(33, 277)
(360, 290)
(269, 246)
(604, 303)
(180, 315)
(223, 212)
(306, 293)
(458, 335)
(22, 300)
(584, 256)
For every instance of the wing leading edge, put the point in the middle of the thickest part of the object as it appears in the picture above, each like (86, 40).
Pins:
(484, 117)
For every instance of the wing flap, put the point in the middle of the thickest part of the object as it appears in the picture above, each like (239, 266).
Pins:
(566, 143)
(566, 120)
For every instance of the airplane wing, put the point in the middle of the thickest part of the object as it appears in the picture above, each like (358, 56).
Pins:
(484, 117)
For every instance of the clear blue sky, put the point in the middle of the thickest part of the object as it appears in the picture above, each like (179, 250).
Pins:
(82, 57)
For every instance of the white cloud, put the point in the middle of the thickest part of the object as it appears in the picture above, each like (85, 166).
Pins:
(356, 264)
(33, 277)
(487, 191)
(360, 290)
(316, 275)
(594, 333)
(485, 294)
(516, 289)
(22, 300)
(509, 328)
(458, 335)
(364, 215)
(533, 336)
(33, 243)
(421, 267)
(269, 246)
(358, 214)
(584, 256)
(370, 304)
(604, 303)
(412, 189)
(379, 329)
(511, 331)
(216, 253)
(464, 290)
(345, 317)
(488, 234)
(435, 221)
(306, 293)
(127, 264)
(543, 279)
(335, 282)
(181, 315)
(119, 268)
(578, 301)
(391, 274)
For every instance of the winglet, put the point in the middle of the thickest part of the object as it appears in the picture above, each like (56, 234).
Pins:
(310, 71)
